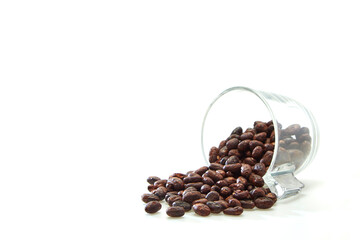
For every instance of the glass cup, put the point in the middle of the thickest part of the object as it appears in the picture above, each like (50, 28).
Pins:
(291, 129)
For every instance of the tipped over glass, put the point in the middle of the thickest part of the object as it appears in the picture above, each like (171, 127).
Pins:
(295, 134)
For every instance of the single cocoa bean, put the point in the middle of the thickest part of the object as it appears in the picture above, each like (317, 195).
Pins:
(234, 168)
(212, 196)
(241, 195)
(232, 143)
(237, 130)
(245, 170)
(152, 207)
(258, 152)
(215, 207)
(175, 211)
(148, 197)
(263, 202)
(189, 197)
(259, 169)
(233, 210)
(247, 204)
(201, 209)
(152, 179)
(185, 205)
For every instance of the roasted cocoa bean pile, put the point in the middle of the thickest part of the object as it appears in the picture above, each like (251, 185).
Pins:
(233, 180)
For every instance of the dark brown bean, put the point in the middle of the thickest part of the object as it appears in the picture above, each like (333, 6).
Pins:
(175, 211)
(221, 172)
(249, 160)
(261, 137)
(257, 192)
(169, 194)
(241, 195)
(148, 197)
(191, 196)
(185, 205)
(213, 175)
(242, 180)
(222, 183)
(174, 184)
(250, 130)
(161, 182)
(234, 168)
(233, 202)
(237, 130)
(247, 204)
(213, 158)
(223, 160)
(267, 157)
(152, 207)
(151, 187)
(205, 189)
(259, 169)
(267, 190)
(215, 207)
(263, 202)
(272, 196)
(152, 179)
(256, 180)
(160, 192)
(233, 136)
(257, 153)
(194, 177)
(225, 191)
(246, 135)
(201, 170)
(224, 204)
(234, 152)
(215, 188)
(254, 143)
(189, 189)
(245, 170)
(232, 143)
(214, 151)
(230, 180)
(233, 210)
(212, 196)
(201, 209)
(170, 200)
(208, 181)
(243, 146)
(223, 152)
(232, 160)
(268, 147)
(216, 166)
(260, 127)
(222, 144)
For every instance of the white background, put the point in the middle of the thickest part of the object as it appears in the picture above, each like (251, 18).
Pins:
(95, 96)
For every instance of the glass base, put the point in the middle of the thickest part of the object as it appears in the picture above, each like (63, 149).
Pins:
(283, 182)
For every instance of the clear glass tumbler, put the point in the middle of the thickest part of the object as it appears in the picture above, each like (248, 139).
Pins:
(295, 137)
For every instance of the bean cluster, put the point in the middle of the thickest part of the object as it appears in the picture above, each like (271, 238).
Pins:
(233, 180)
